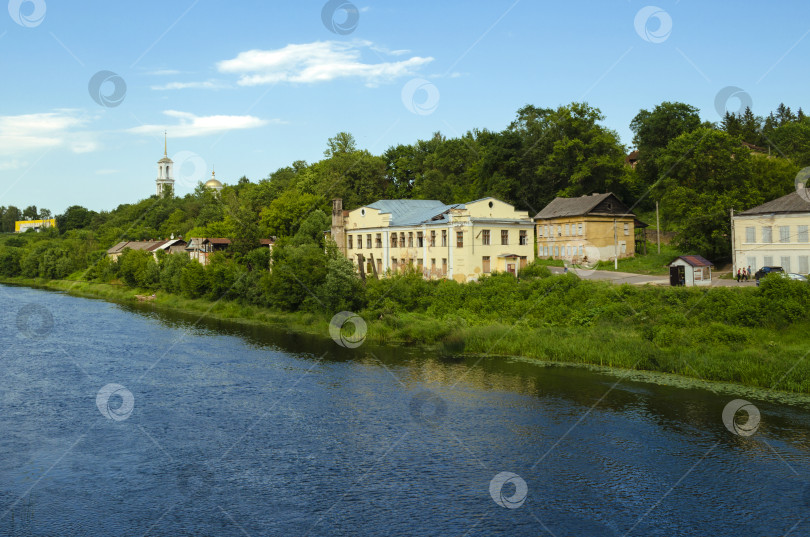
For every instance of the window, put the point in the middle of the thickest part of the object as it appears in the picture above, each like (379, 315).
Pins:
(623, 247)
(567, 229)
(556, 251)
(786, 263)
(419, 263)
(803, 264)
(402, 240)
(559, 231)
(485, 237)
(393, 240)
(350, 242)
(579, 229)
(767, 261)
(444, 266)
(420, 240)
(459, 239)
(394, 263)
(485, 264)
(379, 266)
(524, 237)
(433, 265)
(444, 237)
(626, 228)
(402, 263)
(410, 239)
(802, 234)
(368, 241)
(752, 263)
(784, 233)
(504, 236)
(432, 239)
(767, 234)
(378, 240)
(750, 234)
(539, 231)
(546, 231)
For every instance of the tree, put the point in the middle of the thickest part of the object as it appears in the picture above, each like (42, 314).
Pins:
(341, 143)
(285, 214)
(652, 133)
(10, 217)
(75, 217)
(31, 213)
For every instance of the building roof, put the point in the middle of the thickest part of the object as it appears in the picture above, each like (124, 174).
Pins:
(792, 203)
(695, 261)
(217, 241)
(266, 242)
(149, 246)
(562, 207)
(410, 212)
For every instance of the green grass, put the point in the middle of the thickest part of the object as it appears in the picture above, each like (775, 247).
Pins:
(652, 264)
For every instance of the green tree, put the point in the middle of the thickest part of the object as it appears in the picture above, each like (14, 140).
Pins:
(285, 214)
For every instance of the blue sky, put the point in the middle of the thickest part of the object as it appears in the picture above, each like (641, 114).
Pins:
(248, 87)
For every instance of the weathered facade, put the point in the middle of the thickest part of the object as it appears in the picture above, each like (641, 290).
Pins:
(460, 241)
(170, 246)
(776, 233)
(586, 229)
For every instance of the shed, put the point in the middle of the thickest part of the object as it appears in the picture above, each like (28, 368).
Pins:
(690, 270)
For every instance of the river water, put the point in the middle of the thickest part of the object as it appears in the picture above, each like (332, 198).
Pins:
(120, 420)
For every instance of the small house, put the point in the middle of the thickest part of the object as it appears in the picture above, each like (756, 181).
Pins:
(201, 248)
(690, 271)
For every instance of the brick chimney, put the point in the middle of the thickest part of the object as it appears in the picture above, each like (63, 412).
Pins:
(339, 225)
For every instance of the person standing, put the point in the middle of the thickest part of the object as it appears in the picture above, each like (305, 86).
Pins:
(749, 272)
(738, 275)
(744, 275)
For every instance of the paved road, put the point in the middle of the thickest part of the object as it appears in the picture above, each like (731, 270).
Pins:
(641, 279)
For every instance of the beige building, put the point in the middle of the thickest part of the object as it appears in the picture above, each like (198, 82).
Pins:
(587, 229)
(171, 246)
(774, 234)
(461, 241)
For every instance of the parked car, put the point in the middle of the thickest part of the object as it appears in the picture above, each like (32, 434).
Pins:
(797, 277)
(764, 271)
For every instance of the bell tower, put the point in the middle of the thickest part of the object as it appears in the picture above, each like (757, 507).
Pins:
(165, 178)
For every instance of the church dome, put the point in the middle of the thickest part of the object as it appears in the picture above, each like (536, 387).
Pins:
(213, 183)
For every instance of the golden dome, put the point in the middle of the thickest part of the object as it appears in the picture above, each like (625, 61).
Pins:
(213, 183)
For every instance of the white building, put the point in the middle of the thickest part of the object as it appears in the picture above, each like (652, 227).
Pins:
(776, 233)
(165, 178)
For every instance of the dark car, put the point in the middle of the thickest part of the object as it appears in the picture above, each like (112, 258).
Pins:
(764, 271)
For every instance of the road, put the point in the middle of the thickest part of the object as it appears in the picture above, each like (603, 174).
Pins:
(642, 279)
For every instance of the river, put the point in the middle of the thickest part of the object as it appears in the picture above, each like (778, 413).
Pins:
(122, 420)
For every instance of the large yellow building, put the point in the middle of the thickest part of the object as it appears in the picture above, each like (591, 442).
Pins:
(461, 241)
(21, 226)
(586, 229)
(775, 233)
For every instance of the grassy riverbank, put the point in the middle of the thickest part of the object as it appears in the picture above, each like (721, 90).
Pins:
(644, 329)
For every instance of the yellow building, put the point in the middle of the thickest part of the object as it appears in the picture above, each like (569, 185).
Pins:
(587, 229)
(461, 241)
(21, 226)
(774, 234)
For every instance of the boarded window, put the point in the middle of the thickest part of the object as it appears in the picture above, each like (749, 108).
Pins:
(803, 264)
(767, 261)
(394, 263)
(402, 240)
(419, 263)
(626, 228)
(801, 236)
(485, 264)
(784, 233)
(379, 266)
(750, 234)
(504, 236)
(485, 237)
(786, 263)
(767, 234)
(752, 263)
(444, 266)
(393, 240)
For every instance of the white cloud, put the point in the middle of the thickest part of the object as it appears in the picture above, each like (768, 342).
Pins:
(44, 130)
(208, 84)
(164, 72)
(320, 61)
(12, 164)
(107, 172)
(190, 125)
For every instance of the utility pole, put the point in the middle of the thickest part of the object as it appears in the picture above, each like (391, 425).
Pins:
(615, 245)
(658, 227)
